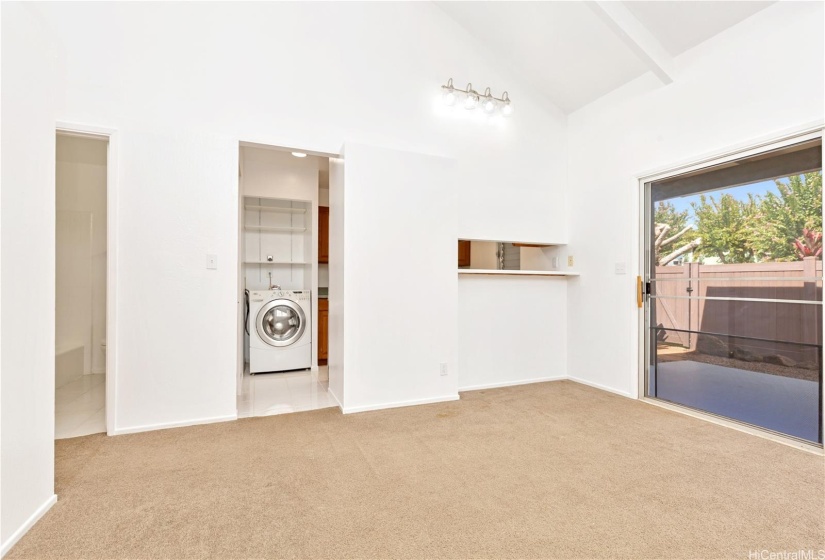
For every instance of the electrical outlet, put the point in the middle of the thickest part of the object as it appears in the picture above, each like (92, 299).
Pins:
(621, 268)
(212, 262)
(570, 260)
(442, 368)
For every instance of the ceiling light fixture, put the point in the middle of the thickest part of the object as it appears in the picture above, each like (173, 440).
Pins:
(299, 154)
(488, 102)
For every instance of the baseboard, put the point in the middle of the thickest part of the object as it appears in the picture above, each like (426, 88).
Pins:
(399, 404)
(510, 383)
(336, 399)
(28, 524)
(166, 425)
(98, 371)
(600, 386)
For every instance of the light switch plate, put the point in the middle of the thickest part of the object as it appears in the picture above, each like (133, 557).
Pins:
(212, 262)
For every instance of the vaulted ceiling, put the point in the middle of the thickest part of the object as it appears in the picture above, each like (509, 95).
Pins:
(575, 52)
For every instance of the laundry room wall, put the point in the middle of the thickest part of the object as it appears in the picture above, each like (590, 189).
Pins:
(277, 175)
(337, 268)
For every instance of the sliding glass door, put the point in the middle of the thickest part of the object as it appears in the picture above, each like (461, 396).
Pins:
(733, 313)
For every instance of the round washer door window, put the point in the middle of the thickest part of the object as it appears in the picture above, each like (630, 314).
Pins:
(281, 322)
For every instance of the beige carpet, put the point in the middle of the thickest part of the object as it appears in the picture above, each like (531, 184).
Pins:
(552, 470)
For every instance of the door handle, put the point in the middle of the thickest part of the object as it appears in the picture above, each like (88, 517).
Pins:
(640, 299)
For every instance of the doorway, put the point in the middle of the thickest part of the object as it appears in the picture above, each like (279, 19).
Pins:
(81, 270)
(732, 289)
(283, 280)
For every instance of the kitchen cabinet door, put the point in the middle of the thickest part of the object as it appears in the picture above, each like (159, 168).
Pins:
(323, 329)
(323, 234)
(463, 253)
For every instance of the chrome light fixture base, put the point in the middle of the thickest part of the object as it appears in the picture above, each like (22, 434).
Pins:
(488, 102)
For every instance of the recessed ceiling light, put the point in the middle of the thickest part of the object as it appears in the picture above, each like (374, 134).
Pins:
(299, 154)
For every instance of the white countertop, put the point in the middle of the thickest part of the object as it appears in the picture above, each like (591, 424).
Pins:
(493, 272)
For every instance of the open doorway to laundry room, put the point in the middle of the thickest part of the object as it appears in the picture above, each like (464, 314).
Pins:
(284, 286)
(81, 240)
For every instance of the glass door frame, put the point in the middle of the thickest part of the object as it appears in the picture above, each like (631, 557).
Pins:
(644, 218)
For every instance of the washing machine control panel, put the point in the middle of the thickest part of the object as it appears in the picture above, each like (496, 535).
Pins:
(266, 295)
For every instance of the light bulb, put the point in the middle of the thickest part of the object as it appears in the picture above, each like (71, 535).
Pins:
(448, 95)
(472, 97)
(448, 98)
(489, 103)
(299, 154)
(507, 107)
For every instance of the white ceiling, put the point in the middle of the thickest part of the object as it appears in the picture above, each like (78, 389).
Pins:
(680, 26)
(572, 56)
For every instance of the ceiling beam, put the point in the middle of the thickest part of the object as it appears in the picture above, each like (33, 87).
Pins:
(636, 36)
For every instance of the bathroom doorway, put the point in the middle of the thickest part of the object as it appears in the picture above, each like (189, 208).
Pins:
(81, 240)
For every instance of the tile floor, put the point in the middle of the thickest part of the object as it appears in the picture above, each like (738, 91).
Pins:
(80, 407)
(265, 394)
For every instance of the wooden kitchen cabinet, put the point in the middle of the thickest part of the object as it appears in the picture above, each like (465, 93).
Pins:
(323, 329)
(323, 234)
(463, 253)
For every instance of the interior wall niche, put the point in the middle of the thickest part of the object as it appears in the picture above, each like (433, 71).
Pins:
(475, 254)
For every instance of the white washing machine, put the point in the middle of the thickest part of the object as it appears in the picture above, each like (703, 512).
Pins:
(280, 330)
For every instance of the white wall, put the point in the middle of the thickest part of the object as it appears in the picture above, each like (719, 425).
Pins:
(199, 97)
(511, 330)
(81, 248)
(180, 105)
(335, 352)
(27, 199)
(256, 85)
(400, 282)
(760, 77)
(270, 173)
(178, 203)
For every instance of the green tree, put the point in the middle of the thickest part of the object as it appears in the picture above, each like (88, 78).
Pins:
(726, 227)
(782, 218)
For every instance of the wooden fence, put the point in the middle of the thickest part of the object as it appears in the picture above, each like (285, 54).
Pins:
(766, 328)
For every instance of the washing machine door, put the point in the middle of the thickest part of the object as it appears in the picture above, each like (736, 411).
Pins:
(280, 322)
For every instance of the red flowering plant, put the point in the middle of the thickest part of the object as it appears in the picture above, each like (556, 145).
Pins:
(809, 245)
